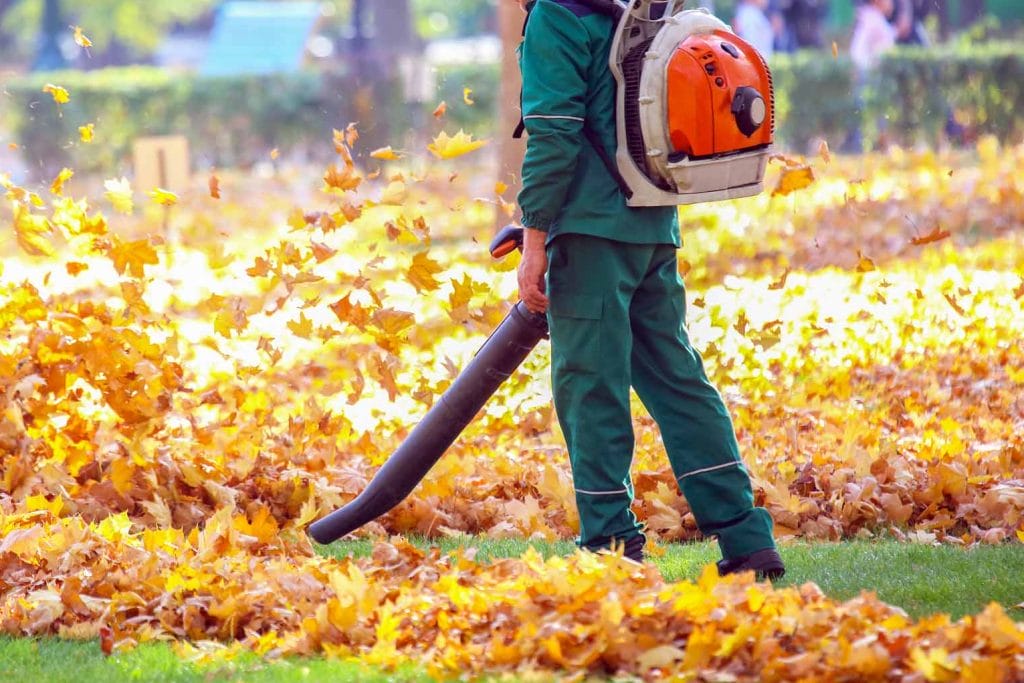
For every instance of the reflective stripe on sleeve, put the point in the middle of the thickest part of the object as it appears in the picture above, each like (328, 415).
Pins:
(545, 116)
(602, 493)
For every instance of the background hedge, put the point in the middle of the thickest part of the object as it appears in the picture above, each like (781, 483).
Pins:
(236, 121)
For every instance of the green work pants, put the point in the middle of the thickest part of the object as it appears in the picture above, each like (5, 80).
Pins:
(617, 315)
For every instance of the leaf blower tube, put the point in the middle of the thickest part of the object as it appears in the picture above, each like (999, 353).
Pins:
(497, 359)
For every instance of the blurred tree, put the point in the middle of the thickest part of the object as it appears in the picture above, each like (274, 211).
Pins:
(454, 18)
(137, 27)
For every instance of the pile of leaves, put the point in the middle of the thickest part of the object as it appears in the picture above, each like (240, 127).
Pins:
(189, 381)
(242, 579)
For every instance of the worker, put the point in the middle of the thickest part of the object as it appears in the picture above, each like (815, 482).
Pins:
(607, 277)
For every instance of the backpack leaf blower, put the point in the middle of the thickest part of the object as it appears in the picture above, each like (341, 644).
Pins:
(695, 105)
(503, 352)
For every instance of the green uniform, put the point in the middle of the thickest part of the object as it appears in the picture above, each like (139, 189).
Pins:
(617, 304)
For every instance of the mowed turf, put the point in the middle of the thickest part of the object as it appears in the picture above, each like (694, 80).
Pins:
(921, 579)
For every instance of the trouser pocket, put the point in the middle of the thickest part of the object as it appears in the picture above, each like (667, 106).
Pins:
(575, 325)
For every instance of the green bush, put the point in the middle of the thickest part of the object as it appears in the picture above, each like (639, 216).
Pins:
(915, 91)
(230, 121)
(814, 97)
(237, 120)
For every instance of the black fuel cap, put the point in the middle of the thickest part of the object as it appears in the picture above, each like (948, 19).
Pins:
(750, 110)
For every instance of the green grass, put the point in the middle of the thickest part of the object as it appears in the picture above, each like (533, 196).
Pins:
(920, 579)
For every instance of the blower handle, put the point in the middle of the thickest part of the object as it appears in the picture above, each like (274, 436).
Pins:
(506, 241)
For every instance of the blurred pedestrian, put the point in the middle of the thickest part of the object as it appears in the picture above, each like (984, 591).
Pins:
(751, 23)
(803, 20)
(873, 36)
(907, 19)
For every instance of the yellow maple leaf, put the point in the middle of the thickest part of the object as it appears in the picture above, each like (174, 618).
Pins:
(81, 40)
(57, 186)
(133, 257)
(119, 194)
(445, 147)
(386, 153)
(466, 92)
(303, 327)
(391, 321)
(394, 194)
(163, 197)
(342, 179)
(87, 132)
(794, 178)
(422, 271)
(31, 231)
(59, 94)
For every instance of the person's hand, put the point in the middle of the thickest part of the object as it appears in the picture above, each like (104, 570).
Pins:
(532, 268)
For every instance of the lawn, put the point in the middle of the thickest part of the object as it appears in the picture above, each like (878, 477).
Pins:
(922, 579)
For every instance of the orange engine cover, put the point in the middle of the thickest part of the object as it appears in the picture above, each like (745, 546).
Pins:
(720, 97)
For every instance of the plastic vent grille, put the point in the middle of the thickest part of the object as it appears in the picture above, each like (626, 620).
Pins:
(632, 67)
(771, 90)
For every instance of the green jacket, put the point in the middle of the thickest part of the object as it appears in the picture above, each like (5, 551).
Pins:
(567, 84)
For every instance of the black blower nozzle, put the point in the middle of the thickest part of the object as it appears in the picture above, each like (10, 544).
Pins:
(503, 352)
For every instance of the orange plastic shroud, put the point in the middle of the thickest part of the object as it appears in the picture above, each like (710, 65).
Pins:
(703, 77)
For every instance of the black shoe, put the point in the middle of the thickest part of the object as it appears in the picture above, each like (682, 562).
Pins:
(765, 563)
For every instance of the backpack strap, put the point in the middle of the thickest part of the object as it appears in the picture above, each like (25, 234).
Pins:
(607, 160)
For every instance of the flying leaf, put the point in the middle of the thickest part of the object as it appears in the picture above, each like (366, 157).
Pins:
(57, 186)
(466, 92)
(303, 327)
(59, 94)
(500, 188)
(132, 257)
(32, 231)
(935, 235)
(351, 313)
(445, 147)
(793, 178)
(386, 153)
(80, 38)
(391, 321)
(441, 109)
(835, 50)
(163, 197)
(321, 252)
(824, 152)
(214, 186)
(87, 132)
(119, 194)
(394, 194)
(864, 264)
(422, 271)
(341, 179)
(781, 282)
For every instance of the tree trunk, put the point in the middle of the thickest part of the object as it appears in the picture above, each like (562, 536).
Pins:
(510, 151)
(49, 57)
